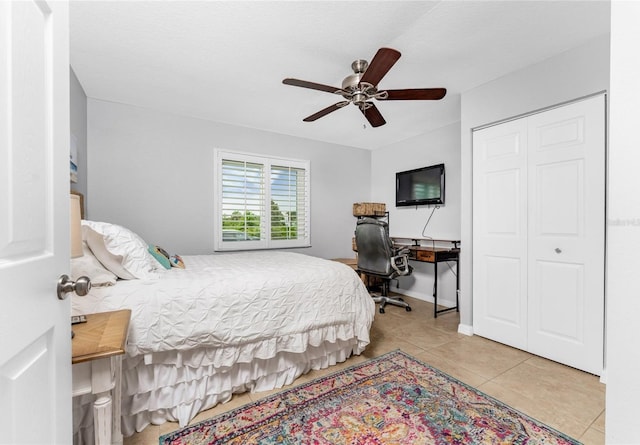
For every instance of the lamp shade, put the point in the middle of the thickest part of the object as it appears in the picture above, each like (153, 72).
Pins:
(76, 229)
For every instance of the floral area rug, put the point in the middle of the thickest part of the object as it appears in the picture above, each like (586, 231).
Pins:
(392, 399)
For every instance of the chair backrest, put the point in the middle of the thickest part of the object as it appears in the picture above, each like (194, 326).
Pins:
(375, 248)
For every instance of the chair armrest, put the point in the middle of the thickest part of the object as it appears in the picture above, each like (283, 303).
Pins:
(401, 250)
(400, 264)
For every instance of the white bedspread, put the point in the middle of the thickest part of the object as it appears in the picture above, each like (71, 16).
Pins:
(228, 323)
(245, 305)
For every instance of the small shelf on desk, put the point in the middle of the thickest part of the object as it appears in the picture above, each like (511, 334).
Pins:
(426, 242)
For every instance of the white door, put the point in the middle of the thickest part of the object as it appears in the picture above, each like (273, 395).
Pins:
(566, 234)
(500, 233)
(538, 233)
(35, 341)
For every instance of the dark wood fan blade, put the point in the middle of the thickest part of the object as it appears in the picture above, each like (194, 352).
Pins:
(417, 94)
(325, 111)
(373, 116)
(312, 85)
(382, 62)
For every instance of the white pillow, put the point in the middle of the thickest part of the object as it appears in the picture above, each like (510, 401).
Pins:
(89, 266)
(110, 261)
(120, 250)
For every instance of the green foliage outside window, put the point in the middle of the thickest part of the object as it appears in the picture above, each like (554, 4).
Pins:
(247, 222)
(283, 226)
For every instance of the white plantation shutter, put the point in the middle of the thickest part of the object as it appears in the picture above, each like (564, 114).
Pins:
(243, 197)
(261, 202)
(289, 195)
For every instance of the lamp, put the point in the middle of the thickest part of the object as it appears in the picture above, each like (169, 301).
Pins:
(76, 229)
(82, 285)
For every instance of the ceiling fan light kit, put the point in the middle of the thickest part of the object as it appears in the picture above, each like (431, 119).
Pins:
(361, 87)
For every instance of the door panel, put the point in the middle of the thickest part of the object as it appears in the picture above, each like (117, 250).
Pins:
(502, 193)
(35, 351)
(499, 233)
(560, 209)
(560, 300)
(22, 229)
(561, 134)
(502, 284)
(566, 234)
(35, 362)
(505, 145)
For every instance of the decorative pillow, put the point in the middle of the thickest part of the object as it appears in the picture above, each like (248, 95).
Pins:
(121, 251)
(88, 265)
(176, 261)
(161, 255)
(110, 261)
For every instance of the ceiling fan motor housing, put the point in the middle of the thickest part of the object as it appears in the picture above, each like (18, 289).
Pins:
(359, 66)
(356, 92)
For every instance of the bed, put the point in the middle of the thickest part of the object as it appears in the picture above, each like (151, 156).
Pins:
(223, 324)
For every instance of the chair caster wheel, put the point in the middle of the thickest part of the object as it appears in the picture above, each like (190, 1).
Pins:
(408, 309)
(381, 310)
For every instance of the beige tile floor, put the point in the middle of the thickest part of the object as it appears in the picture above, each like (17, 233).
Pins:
(564, 398)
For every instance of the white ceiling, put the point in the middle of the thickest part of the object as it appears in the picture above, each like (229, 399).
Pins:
(224, 61)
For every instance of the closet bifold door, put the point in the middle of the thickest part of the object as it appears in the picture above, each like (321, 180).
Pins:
(566, 247)
(538, 233)
(500, 233)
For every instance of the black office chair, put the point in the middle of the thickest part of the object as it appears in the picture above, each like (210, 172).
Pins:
(378, 258)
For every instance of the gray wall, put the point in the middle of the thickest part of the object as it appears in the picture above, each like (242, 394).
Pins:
(438, 146)
(153, 172)
(78, 124)
(573, 74)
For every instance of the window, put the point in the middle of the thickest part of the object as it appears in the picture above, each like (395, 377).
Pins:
(261, 202)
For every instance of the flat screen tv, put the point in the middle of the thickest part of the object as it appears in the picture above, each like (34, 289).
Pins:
(422, 186)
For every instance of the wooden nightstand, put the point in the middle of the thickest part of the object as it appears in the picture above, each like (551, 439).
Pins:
(97, 350)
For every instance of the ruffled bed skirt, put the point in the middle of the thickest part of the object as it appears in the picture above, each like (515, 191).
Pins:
(176, 386)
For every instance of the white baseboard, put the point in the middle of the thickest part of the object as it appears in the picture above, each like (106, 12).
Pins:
(465, 329)
(603, 376)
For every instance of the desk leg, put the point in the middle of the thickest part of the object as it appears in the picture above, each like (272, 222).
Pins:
(116, 420)
(458, 283)
(435, 289)
(101, 385)
(102, 418)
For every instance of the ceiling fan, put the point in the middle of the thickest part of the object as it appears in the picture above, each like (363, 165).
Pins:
(361, 87)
